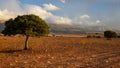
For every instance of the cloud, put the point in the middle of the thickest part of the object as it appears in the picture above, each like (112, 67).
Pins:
(17, 8)
(50, 7)
(48, 16)
(97, 21)
(12, 5)
(63, 1)
(85, 20)
(60, 20)
(9, 9)
(37, 10)
(84, 16)
(7, 12)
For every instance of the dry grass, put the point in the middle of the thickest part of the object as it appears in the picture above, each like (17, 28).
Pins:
(59, 52)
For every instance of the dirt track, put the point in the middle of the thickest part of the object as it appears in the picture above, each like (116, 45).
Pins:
(60, 52)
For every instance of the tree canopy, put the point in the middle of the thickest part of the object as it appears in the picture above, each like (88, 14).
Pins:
(30, 25)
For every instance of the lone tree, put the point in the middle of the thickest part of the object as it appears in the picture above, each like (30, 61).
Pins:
(28, 25)
(110, 34)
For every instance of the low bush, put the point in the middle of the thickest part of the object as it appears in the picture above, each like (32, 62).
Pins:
(89, 36)
(110, 34)
(118, 36)
(98, 36)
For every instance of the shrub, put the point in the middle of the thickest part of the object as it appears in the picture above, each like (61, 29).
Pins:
(94, 36)
(118, 36)
(89, 36)
(98, 36)
(110, 34)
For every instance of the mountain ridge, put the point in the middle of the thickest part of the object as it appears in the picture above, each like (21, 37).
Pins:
(59, 28)
(73, 29)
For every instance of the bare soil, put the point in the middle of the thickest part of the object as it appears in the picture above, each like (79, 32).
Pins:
(59, 52)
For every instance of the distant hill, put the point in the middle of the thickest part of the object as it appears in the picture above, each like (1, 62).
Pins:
(1, 26)
(73, 29)
(77, 29)
(66, 29)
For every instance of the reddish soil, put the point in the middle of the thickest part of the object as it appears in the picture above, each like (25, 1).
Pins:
(59, 52)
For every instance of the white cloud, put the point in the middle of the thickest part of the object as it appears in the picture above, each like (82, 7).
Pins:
(50, 7)
(7, 12)
(60, 20)
(49, 17)
(82, 20)
(12, 5)
(97, 21)
(37, 10)
(84, 16)
(85, 20)
(63, 1)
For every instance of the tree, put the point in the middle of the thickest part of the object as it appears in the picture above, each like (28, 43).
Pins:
(28, 25)
(110, 34)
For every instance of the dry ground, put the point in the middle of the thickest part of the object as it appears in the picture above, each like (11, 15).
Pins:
(59, 52)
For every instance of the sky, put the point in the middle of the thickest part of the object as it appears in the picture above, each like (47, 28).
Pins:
(71, 12)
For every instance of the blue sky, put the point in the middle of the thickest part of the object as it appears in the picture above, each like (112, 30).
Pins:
(72, 12)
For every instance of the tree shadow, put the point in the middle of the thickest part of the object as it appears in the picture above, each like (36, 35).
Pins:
(10, 51)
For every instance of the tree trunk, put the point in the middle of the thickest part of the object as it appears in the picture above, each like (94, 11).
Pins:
(26, 43)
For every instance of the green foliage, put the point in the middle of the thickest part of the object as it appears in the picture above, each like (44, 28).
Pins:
(110, 34)
(29, 25)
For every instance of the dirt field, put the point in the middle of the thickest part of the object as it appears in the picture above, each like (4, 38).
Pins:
(59, 52)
